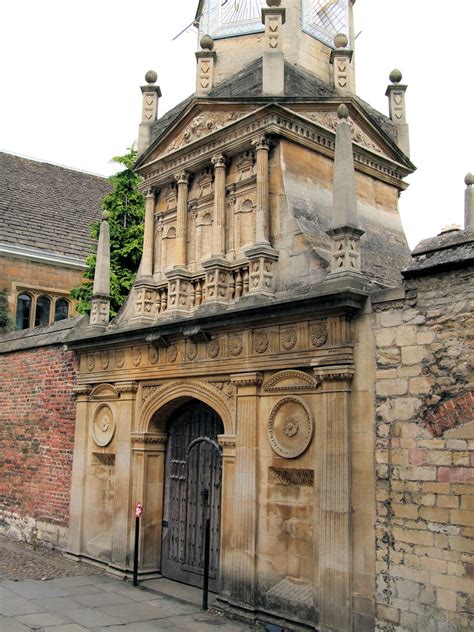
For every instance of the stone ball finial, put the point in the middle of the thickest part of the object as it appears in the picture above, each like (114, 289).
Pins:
(469, 179)
(105, 216)
(342, 112)
(207, 43)
(396, 76)
(273, 3)
(151, 76)
(341, 41)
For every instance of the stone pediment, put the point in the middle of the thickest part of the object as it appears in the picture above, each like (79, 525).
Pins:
(362, 132)
(198, 123)
(104, 392)
(290, 381)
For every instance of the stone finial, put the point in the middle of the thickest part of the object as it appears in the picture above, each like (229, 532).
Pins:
(151, 96)
(341, 59)
(469, 202)
(396, 98)
(273, 17)
(345, 232)
(206, 59)
(100, 308)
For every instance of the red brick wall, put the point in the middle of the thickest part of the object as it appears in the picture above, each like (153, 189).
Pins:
(37, 413)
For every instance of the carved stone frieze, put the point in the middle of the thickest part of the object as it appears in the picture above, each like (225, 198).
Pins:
(261, 342)
(104, 360)
(136, 356)
(289, 338)
(119, 359)
(153, 355)
(318, 334)
(149, 438)
(202, 125)
(236, 345)
(191, 350)
(286, 476)
(171, 354)
(90, 361)
(290, 427)
(213, 348)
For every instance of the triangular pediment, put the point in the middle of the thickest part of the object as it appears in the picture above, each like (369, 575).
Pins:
(198, 121)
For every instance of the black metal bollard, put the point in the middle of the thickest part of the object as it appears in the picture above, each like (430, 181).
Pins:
(207, 549)
(135, 552)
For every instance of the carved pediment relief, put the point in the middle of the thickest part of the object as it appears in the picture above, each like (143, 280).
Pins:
(290, 382)
(104, 392)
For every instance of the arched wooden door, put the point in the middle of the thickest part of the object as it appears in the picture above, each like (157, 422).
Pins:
(191, 467)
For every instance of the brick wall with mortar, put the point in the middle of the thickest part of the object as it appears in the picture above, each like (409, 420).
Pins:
(425, 454)
(37, 418)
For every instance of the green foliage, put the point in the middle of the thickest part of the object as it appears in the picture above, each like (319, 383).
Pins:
(6, 322)
(126, 208)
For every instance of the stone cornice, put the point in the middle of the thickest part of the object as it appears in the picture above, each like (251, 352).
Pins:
(272, 120)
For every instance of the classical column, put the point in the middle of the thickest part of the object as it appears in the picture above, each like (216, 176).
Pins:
(146, 268)
(335, 550)
(182, 179)
(123, 518)
(262, 228)
(244, 524)
(79, 465)
(218, 228)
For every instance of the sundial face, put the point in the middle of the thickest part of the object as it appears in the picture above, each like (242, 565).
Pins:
(324, 19)
(227, 18)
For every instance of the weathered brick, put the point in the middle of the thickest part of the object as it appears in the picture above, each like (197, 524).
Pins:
(434, 514)
(462, 517)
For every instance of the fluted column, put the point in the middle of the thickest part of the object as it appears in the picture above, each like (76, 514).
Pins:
(79, 466)
(123, 516)
(218, 230)
(182, 179)
(148, 246)
(244, 524)
(262, 229)
(335, 551)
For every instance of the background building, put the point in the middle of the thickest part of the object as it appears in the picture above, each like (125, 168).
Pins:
(45, 216)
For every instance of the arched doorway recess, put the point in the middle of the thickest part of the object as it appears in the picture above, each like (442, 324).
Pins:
(193, 466)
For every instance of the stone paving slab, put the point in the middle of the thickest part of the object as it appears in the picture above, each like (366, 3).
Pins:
(72, 601)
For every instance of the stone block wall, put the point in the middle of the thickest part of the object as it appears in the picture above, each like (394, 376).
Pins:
(425, 454)
(37, 418)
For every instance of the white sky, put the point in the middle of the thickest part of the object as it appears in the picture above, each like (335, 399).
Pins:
(71, 71)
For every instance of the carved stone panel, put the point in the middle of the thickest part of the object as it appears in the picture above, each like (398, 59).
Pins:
(290, 427)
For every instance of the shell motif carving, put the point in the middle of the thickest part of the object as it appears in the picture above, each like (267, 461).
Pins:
(288, 339)
(213, 348)
(236, 346)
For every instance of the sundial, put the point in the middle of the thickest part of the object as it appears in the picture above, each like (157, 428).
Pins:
(324, 19)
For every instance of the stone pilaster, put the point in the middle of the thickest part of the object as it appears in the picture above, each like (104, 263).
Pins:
(262, 217)
(151, 96)
(397, 107)
(79, 467)
(341, 59)
(227, 444)
(100, 304)
(123, 518)
(206, 59)
(182, 179)
(149, 450)
(469, 202)
(244, 523)
(146, 267)
(273, 18)
(218, 228)
(335, 549)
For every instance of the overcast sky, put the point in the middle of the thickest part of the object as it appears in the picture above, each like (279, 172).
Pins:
(71, 71)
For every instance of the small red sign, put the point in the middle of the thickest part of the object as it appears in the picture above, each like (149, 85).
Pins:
(139, 510)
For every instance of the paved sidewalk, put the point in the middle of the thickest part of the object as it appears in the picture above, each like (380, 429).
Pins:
(46, 592)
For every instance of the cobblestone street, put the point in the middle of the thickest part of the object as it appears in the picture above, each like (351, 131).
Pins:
(41, 590)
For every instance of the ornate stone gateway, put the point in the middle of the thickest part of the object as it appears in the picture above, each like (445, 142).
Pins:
(193, 466)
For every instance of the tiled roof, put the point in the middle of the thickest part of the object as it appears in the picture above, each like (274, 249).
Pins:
(247, 84)
(445, 252)
(48, 207)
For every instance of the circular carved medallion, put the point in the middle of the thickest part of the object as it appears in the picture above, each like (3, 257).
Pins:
(119, 359)
(318, 334)
(191, 350)
(236, 346)
(153, 355)
(289, 338)
(213, 348)
(261, 342)
(290, 427)
(172, 353)
(137, 356)
(103, 426)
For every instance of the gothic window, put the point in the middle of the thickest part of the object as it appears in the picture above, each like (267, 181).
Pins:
(61, 309)
(23, 311)
(42, 312)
